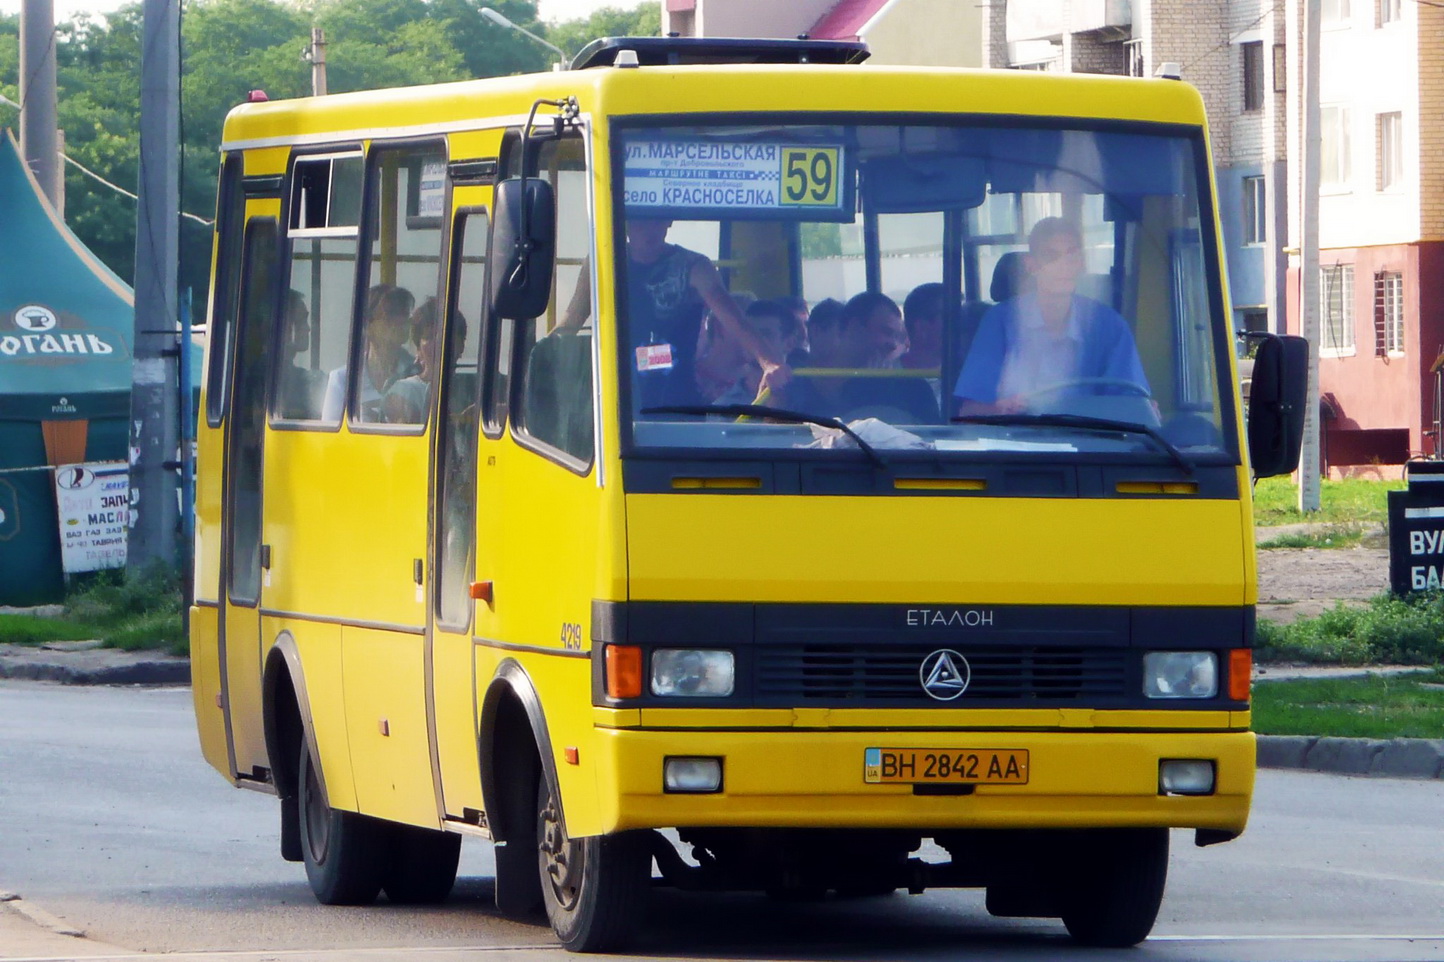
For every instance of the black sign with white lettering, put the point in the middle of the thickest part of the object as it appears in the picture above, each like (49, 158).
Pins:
(1416, 531)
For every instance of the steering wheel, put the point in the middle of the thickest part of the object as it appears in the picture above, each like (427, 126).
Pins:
(1132, 387)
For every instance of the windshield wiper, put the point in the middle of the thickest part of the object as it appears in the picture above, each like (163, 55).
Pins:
(777, 414)
(1084, 422)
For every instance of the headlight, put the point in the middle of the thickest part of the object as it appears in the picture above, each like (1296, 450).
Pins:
(692, 673)
(1180, 674)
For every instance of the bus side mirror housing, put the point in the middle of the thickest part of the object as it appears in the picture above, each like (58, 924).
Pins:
(1277, 402)
(523, 247)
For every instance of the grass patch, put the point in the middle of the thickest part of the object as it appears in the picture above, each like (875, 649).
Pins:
(1332, 536)
(30, 630)
(1386, 631)
(1373, 706)
(1356, 501)
(122, 609)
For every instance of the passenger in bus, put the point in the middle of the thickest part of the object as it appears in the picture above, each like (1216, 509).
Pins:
(669, 289)
(822, 344)
(871, 336)
(798, 347)
(300, 389)
(388, 311)
(405, 402)
(1039, 348)
(721, 359)
(923, 318)
(773, 324)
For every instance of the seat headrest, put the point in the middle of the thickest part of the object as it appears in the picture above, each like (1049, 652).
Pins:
(1008, 276)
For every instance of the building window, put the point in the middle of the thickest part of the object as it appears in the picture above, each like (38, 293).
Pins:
(1253, 76)
(1390, 11)
(1336, 309)
(1334, 154)
(1391, 150)
(1335, 12)
(1137, 67)
(1388, 313)
(1255, 210)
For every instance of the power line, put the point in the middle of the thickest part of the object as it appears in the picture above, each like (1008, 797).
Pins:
(90, 173)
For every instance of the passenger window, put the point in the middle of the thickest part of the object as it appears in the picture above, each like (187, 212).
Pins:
(322, 223)
(397, 355)
(231, 213)
(456, 524)
(552, 396)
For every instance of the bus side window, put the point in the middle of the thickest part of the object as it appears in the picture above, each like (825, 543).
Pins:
(323, 219)
(552, 396)
(231, 218)
(460, 392)
(407, 192)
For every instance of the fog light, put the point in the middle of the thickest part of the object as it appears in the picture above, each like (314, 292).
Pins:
(692, 774)
(1185, 776)
(1180, 674)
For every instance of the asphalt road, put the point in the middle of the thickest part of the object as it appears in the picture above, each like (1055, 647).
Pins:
(112, 824)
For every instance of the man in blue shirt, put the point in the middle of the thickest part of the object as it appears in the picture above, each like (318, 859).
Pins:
(1036, 350)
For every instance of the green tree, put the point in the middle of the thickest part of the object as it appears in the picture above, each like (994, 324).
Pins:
(644, 20)
(230, 47)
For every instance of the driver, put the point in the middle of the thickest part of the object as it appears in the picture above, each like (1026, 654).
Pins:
(1050, 339)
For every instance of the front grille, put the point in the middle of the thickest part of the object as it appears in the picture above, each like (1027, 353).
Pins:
(856, 673)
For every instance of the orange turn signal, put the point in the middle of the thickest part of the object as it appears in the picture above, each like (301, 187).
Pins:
(1240, 673)
(481, 591)
(624, 671)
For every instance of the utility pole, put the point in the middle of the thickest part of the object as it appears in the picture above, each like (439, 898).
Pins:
(316, 53)
(1309, 247)
(38, 142)
(154, 399)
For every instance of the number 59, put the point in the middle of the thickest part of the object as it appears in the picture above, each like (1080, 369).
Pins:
(809, 176)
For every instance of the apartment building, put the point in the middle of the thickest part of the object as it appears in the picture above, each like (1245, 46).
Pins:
(941, 33)
(1381, 228)
(1381, 210)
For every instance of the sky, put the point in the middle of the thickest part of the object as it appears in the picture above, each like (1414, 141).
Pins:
(551, 10)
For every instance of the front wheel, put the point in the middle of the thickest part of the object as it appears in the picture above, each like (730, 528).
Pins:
(1117, 886)
(345, 853)
(595, 888)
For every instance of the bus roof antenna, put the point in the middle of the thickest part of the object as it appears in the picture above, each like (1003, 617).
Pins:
(500, 21)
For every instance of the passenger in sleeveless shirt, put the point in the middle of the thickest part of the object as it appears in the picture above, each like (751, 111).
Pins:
(669, 289)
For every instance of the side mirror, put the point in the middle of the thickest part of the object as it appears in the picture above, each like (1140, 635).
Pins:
(1277, 402)
(523, 248)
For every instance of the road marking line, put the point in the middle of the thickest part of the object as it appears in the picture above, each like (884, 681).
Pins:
(1313, 937)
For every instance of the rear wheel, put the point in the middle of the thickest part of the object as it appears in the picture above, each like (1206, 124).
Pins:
(594, 888)
(422, 867)
(345, 853)
(1118, 886)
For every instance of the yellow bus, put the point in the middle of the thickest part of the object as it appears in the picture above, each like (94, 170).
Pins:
(526, 512)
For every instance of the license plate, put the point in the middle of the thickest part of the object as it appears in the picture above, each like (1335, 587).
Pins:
(947, 766)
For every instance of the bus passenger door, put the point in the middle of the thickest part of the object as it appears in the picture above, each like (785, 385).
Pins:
(242, 560)
(453, 522)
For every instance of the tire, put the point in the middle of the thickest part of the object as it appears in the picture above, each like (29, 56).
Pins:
(518, 884)
(422, 867)
(345, 853)
(1117, 888)
(595, 889)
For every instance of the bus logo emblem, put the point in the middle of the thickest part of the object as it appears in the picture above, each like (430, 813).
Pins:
(945, 674)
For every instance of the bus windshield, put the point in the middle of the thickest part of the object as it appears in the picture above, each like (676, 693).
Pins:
(953, 286)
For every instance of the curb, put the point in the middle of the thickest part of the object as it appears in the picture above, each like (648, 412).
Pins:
(144, 671)
(1392, 757)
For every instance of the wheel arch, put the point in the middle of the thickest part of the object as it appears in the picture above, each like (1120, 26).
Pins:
(287, 715)
(510, 708)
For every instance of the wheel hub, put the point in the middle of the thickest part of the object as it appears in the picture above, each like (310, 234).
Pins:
(562, 859)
